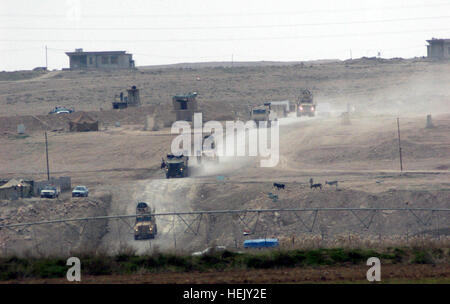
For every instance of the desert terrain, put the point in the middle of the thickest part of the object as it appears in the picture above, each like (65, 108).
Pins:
(121, 162)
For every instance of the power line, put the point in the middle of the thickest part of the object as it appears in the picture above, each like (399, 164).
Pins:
(223, 27)
(190, 15)
(226, 39)
(231, 211)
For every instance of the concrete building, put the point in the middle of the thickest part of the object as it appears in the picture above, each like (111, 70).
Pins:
(99, 60)
(438, 48)
(185, 106)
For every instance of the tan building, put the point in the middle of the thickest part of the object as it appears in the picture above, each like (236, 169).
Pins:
(185, 106)
(438, 48)
(99, 60)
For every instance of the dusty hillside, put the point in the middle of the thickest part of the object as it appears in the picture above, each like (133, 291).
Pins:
(373, 85)
(55, 239)
(125, 161)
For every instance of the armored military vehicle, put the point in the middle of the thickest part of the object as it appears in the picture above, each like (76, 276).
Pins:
(305, 104)
(176, 166)
(145, 226)
(261, 113)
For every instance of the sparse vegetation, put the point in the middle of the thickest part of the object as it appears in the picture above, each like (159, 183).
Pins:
(127, 262)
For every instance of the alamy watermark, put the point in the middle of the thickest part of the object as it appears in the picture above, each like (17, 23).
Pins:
(231, 143)
(374, 272)
(74, 272)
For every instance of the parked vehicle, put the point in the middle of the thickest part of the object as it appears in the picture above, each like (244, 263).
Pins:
(50, 192)
(261, 243)
(61, 110)
(80, 191)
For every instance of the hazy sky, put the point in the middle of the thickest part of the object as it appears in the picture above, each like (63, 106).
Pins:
(172, 31)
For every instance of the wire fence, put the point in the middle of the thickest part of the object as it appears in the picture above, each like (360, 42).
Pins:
(294, 227)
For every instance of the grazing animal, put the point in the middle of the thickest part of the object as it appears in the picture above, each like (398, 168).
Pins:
(332, 183)
(278, 186)
(314, 186)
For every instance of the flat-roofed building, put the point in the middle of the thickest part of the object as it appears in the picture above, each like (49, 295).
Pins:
(185, 105)
(438, 48)
(98, 60)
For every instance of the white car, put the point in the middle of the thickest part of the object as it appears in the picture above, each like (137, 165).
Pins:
(50, 192)
(80, 191)
(62, 112)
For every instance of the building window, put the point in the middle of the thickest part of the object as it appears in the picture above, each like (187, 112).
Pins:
(114, 59)
(105, 60)
(183, 105)
(90, 60)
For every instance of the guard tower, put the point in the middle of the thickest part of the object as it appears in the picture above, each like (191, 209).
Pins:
(134, 100)
(185, 106)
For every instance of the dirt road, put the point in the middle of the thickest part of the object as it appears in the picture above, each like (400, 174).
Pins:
(362, 156)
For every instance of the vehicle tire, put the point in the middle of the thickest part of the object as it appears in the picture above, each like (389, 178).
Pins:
(156, 229)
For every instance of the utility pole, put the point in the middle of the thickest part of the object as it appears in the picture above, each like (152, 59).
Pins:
(46, 61)
(399, 145)
(46, 155)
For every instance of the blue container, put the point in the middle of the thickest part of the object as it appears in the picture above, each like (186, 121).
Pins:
(261, 243)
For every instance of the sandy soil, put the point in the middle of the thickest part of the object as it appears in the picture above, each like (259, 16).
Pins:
(124, 161)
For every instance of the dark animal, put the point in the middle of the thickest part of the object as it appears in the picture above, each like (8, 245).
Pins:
(278, 186)
(332, 183)
(316, 186)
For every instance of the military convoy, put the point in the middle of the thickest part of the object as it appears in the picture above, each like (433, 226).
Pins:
(176, 166)
(274, 110)
(306, 105)
(145, 226)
